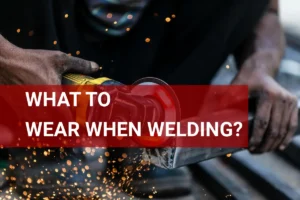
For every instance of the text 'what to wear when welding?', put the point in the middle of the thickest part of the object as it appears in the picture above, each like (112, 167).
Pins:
(130, 129)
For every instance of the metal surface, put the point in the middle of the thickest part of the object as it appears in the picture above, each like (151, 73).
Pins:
(224, 181)
(257, 174)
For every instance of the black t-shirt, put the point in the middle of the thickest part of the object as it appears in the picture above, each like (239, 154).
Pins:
(180, 41)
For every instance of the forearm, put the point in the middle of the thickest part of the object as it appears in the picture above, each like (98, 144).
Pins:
(7, 49)
(10, 69)
(267, 40)
(4, 72)
(3, 46)
(3, 55)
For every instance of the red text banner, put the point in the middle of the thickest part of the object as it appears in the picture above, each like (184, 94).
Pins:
(124, 116)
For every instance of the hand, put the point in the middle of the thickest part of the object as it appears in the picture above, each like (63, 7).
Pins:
(276, 117)
(38, 67)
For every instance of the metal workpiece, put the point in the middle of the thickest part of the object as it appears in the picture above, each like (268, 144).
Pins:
(170, 158)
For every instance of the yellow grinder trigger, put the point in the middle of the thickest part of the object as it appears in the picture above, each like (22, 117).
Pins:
(77, 79)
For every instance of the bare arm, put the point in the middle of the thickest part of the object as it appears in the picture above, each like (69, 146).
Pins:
(258, 59)
(267, 40)
(28, 66)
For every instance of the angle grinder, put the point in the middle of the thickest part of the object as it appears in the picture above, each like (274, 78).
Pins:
(153, 102)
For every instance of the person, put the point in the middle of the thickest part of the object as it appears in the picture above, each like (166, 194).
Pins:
(180, 42)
